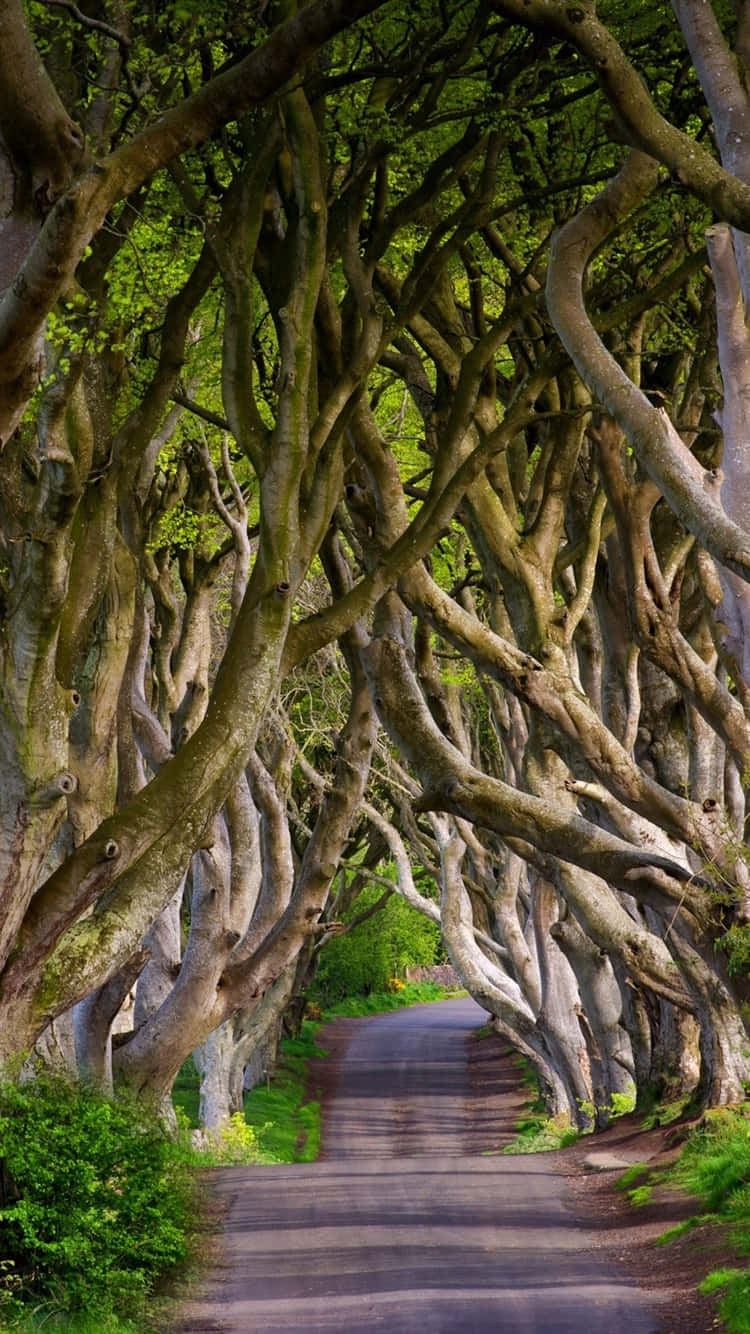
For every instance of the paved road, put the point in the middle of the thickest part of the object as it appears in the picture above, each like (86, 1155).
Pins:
(404, 1226)
(404, 1089)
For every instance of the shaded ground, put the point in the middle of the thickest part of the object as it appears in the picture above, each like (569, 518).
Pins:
(408, 1223)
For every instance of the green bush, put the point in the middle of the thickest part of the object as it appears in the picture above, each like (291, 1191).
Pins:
(234, 1144)
(96, 1198)
(377, 950)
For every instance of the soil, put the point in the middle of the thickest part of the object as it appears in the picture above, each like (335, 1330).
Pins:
(669, 1274)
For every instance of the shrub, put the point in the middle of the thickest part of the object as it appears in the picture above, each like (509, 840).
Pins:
(235, 1144)
(97, 1197)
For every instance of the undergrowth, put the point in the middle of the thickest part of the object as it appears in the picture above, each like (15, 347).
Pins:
(537, 1132)
(542, 1134)
(407, 993)
(286, 1124)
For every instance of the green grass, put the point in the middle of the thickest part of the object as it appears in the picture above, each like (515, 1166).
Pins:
(734, 1307)
(286, 1125)
(640, 1196)
(631, 1175)
(46, 1320)
(185, 1092)
(541, 1134)
(536, 1132)
(714, 1166)
(679, 1230)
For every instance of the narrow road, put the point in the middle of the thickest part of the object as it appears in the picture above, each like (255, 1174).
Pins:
(404, 1226)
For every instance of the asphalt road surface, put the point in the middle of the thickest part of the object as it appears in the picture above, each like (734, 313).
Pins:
(407, 1225)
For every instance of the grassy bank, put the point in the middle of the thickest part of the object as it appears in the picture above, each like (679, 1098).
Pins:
(714, 1167)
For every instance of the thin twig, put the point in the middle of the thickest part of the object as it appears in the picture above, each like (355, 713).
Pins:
(88, 22)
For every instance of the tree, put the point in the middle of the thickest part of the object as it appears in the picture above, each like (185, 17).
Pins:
(428, 385)
(79, 494)
(147, 780)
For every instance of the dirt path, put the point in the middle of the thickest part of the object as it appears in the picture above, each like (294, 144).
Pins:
(406, 1224)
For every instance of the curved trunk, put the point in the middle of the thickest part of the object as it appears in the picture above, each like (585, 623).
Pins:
(490, 987)
(610, 1051)
(723, 1036)
(559, 1017)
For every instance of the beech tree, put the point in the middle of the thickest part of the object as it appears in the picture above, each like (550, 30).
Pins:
(388, 347)
(91, 854)
(131, 729)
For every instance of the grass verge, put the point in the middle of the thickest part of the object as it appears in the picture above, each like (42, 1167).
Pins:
(44, 1319)
(714, 1167)
(286, 1125)
(536, 1132)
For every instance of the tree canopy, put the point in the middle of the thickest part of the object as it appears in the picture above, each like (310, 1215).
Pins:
(373, 513)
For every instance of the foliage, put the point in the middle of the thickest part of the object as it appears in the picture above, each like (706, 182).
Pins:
(736, 943)
(47, 1318)
(734, 1307)
(715, 1166)
(658, 1113)
(632, 1174)
(411, 993)
(621, 1103)
(185, 1093)
(97, 1202)
(234, 1144)
(679, 1230)
(640, 1195)
(376, 950)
